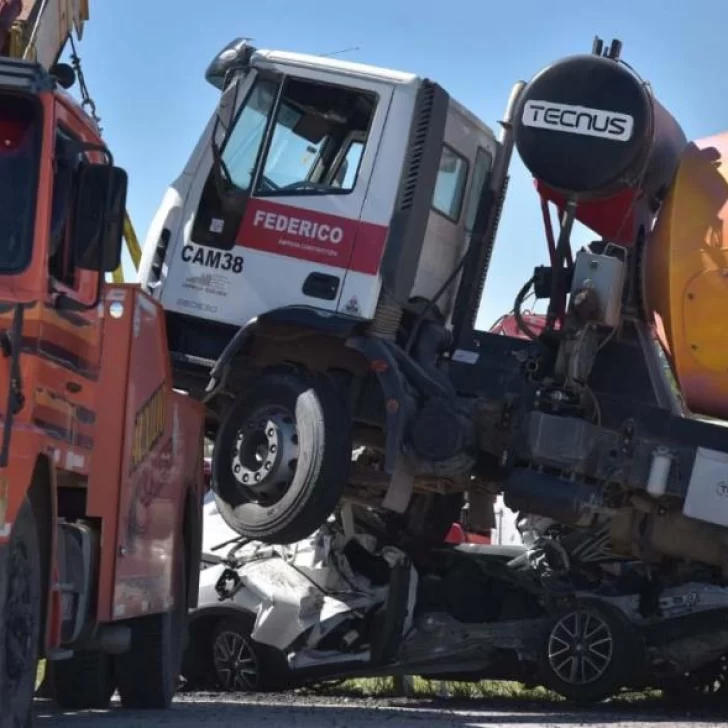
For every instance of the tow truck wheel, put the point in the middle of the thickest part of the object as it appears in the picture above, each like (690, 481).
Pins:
(282, 458)
(148, 673)
(589, 653)
(20, 590)
(86, 681)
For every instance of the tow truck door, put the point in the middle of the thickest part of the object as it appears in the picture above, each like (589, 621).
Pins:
(283, 228)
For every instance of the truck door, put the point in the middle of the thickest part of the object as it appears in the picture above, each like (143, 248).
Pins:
(275, 215)
(465, 163)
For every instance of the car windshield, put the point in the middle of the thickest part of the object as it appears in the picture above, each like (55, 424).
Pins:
(19, 156)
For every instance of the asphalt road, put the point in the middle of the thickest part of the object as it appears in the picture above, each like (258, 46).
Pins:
(295, 711)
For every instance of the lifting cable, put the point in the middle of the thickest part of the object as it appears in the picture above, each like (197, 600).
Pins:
(86, 101)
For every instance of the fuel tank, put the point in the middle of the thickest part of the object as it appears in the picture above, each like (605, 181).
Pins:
(588, 128)
(685, 276)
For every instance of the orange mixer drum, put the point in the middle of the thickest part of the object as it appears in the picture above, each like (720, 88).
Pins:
(686, 276)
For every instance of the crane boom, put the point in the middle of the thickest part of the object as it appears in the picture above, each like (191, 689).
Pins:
(39, 29)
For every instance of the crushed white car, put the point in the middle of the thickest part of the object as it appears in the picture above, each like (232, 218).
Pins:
(345, 604)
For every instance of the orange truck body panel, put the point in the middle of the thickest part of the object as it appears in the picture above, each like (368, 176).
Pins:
(100, 410)
(686, 261)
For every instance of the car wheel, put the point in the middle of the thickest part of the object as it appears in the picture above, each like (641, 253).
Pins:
(589, 653)
(242, 665)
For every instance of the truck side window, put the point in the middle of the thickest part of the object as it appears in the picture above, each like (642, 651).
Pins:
(242, 146)
(481, 173)
(450, 184)
(345, 175)
(312, 140)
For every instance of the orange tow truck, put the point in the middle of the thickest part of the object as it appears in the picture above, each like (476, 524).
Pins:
(101, 461)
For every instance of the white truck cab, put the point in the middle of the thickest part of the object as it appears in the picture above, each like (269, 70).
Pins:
(323, 168)
(326, 203)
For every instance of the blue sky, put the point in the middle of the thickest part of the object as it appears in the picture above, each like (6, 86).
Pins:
(144, 62)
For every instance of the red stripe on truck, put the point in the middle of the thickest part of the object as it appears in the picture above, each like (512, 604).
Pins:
(314, 236)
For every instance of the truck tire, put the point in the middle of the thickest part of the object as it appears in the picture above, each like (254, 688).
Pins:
(86, 681)
(148, 674)
(282, 457)
(20, 600)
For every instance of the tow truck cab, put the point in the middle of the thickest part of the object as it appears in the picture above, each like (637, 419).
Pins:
(326, 186)
(101, 470)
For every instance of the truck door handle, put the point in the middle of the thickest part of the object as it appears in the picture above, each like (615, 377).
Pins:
(321, 285)
(73, 387)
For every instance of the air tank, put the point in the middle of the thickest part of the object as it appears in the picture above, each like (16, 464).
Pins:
(589, 129)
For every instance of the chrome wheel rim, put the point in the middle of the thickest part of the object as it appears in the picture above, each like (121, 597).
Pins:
(235, 663)
(265, 454)
(580, 647)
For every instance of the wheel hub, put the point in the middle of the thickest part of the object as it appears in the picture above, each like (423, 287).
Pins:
(265, 455)
(580, 647)
(235, 663)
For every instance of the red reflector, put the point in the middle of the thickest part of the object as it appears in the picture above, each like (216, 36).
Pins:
(455, 535)
(12, 133)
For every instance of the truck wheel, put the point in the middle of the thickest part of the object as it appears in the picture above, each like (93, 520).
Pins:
(589, 653)
(149, 672)
(86, 681)
(282, 458)
(242, 665)
(20, 575)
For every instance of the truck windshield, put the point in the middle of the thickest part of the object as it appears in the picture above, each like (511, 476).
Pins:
(20, 126)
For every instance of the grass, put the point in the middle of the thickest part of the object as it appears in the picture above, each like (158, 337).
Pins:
(384, 687)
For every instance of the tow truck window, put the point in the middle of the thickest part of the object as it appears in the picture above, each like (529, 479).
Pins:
(313, 128)
(20, 139)
(481, 172)
(450, 184)
(66, 158)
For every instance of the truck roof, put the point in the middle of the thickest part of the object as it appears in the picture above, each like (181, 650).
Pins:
(334, 64)
(375, 73)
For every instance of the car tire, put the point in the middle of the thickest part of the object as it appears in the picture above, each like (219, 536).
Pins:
(241, 664)
(282, 458)
(589, 652)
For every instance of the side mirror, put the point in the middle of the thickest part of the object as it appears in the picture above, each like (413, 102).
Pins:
(235, 56)
(98, 221)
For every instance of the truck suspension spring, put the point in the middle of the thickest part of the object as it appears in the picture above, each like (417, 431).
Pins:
(387, 317)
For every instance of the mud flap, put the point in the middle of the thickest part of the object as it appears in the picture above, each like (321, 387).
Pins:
(391, 620)
(398, 404)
